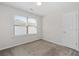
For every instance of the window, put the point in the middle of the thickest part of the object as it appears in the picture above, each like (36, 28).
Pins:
(25, 25)
(32, 26)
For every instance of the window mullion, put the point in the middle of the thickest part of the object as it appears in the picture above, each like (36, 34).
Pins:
(27, 25)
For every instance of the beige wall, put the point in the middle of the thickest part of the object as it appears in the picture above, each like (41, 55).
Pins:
(52, 27)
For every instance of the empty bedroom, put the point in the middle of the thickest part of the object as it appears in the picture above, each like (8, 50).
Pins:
(39, 29)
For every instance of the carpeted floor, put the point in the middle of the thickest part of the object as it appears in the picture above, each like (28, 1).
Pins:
(39, 48)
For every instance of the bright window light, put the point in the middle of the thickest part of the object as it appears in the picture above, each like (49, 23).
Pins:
(25, 25)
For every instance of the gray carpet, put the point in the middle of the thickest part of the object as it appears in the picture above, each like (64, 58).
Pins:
(39, 48)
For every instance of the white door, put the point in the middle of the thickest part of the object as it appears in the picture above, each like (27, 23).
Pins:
(70, 30)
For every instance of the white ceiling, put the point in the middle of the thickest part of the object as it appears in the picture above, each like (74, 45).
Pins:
(45, 8)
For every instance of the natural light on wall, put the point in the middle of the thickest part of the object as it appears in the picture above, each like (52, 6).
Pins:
(25, 25)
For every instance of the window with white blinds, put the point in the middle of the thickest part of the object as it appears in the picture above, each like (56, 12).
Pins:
(25, 25)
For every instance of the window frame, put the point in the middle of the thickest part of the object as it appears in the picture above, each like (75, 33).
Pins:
(26, 26)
